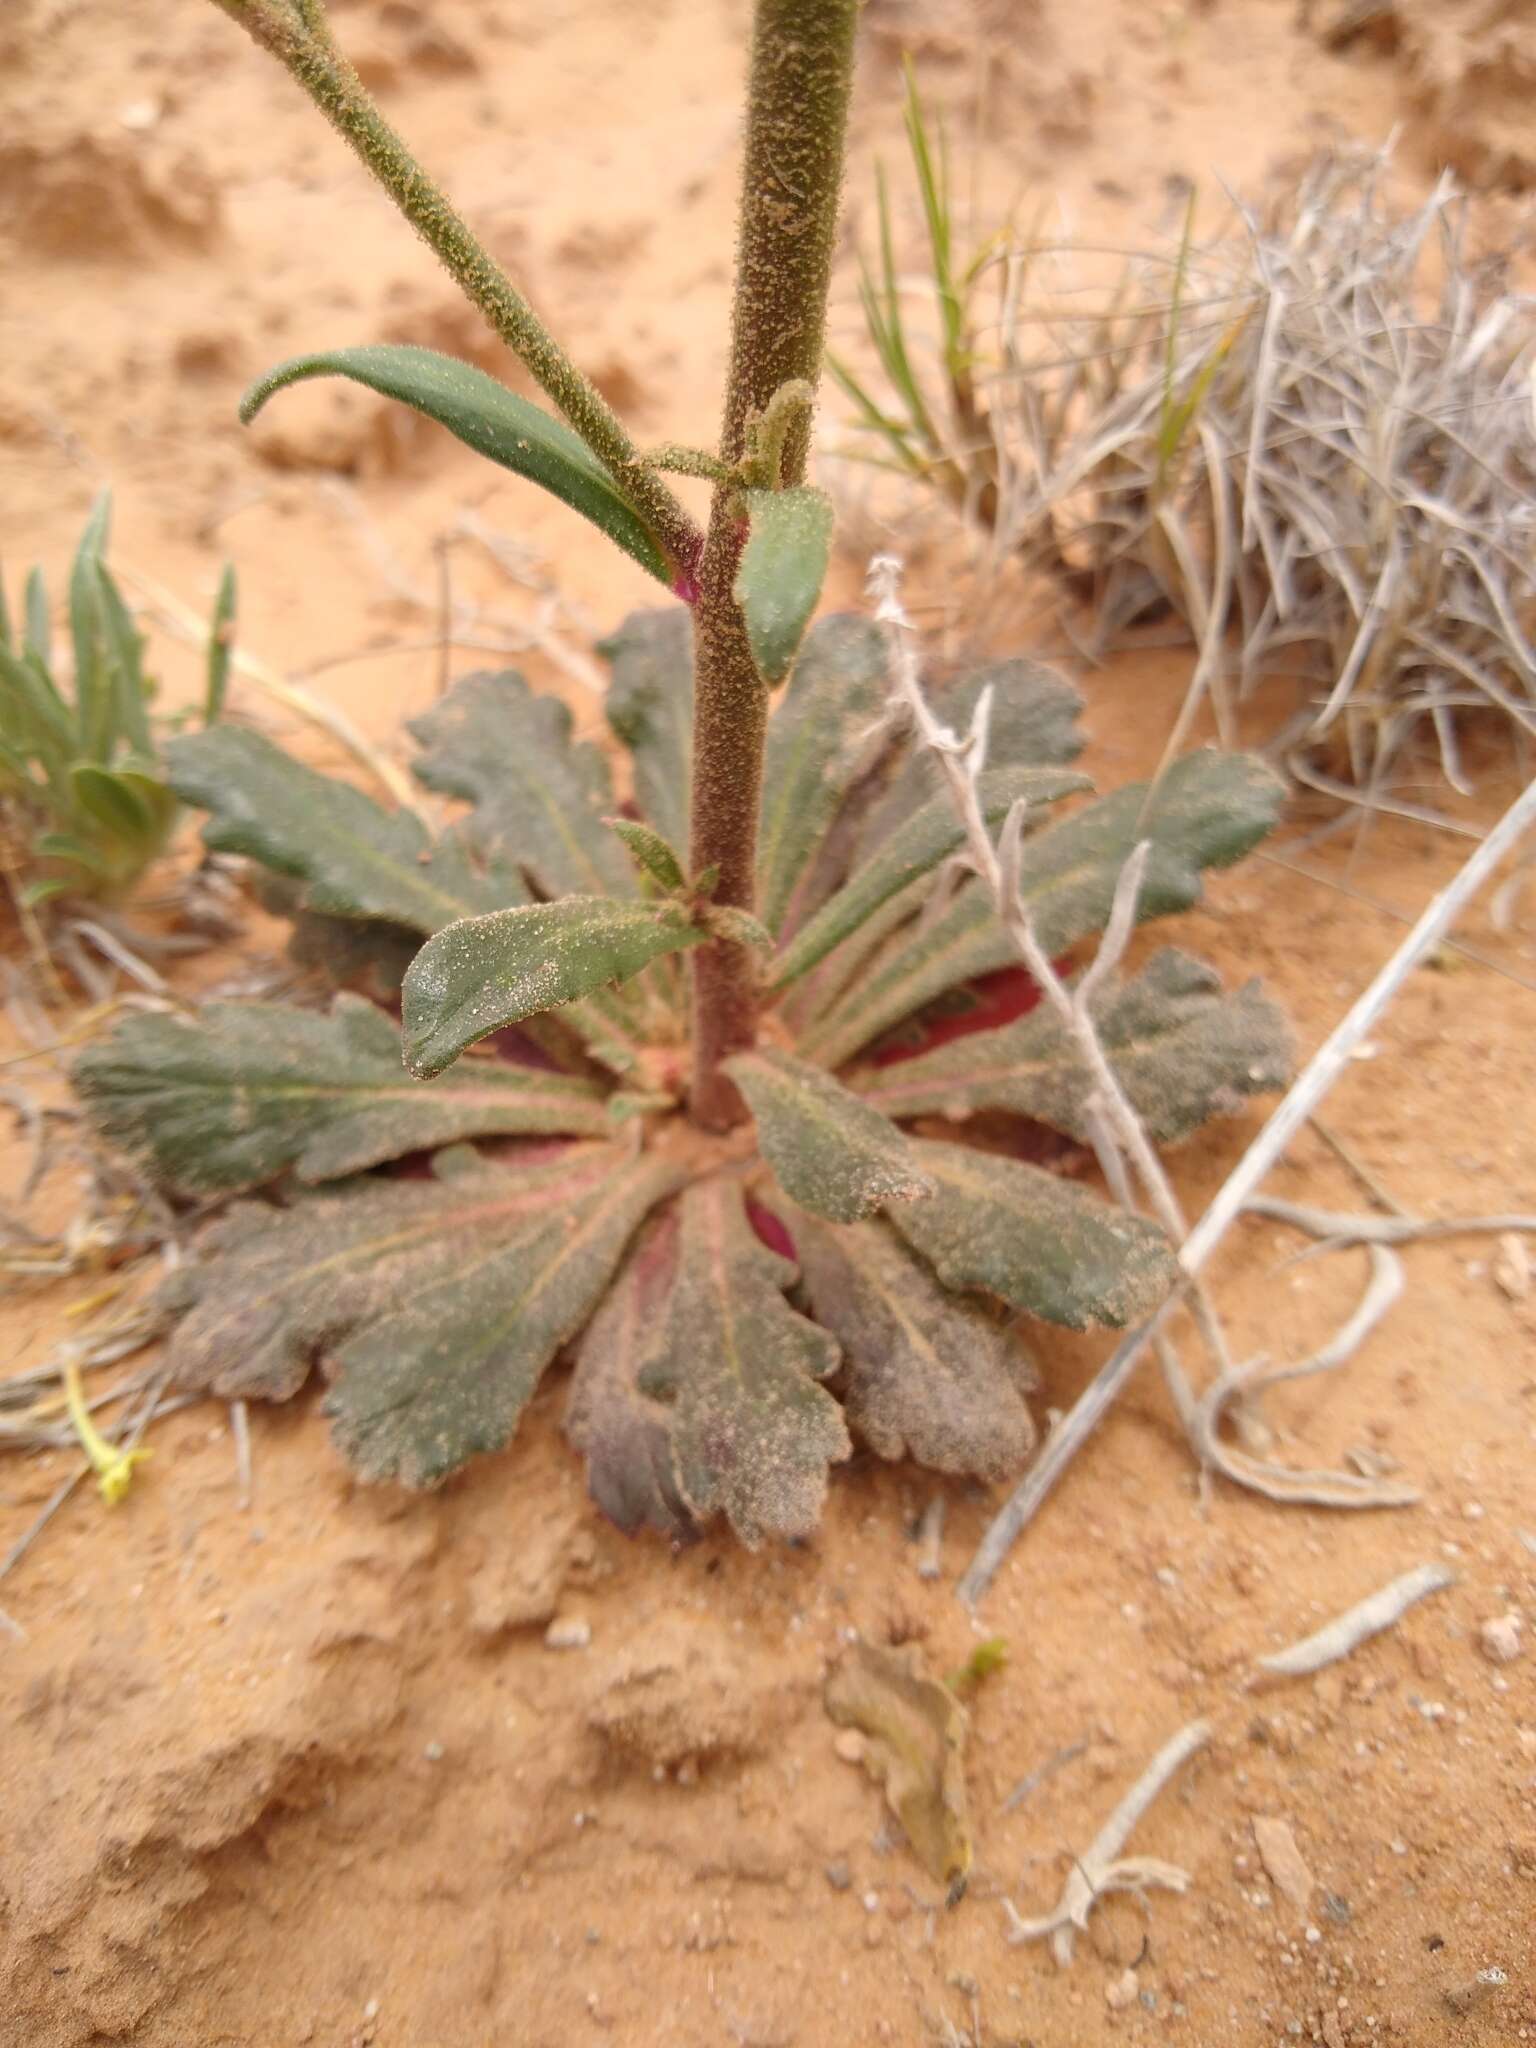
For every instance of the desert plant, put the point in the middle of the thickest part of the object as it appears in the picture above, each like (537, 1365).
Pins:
(1270, 435)
(670, 1152)
(82, 794)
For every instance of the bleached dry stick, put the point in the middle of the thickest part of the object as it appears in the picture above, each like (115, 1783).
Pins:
(1101, 1868)
(1309, 1089)
(1363, 1621)
(1278, 1482)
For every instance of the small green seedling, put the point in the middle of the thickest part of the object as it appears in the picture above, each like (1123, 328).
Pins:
(82, 784)
(710, 1188)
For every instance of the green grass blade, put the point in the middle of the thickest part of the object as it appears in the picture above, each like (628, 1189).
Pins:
(38, 641)
(221, 646)
(124, 647)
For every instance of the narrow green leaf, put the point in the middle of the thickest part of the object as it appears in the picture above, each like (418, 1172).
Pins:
(95, 702)
(728, 921)
(358, 859)
(486, 972)
(539, 799)
(782, 569)
(221, 647)
(38, 641)
(1038, 1242)
(651, 854)
(493, 421)
(828, 1150)
(909, 855)
(621, 1432)
(123, 647)
(736, 1369)
(235, 1096)
(925, 1374)
(818, 745)
(36, 713)
(1182, 1050)
(114, 804)
(650, 706)
(1209, 811)
(436, 1304)
(69, 846)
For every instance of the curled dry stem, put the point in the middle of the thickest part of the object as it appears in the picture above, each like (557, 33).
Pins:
(1242, 1184)
(1101, 1868)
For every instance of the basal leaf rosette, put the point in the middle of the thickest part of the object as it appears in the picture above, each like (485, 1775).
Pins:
(735, 1313)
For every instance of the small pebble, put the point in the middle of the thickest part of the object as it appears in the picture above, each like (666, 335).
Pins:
(839, 1876)
(434, 1752)
(1499, 1639)
(568, 1632)
(850, 1745)
(1122, 1992)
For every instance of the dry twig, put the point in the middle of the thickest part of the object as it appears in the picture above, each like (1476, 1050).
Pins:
(1242, 1184)
(1101, 1868)
(1350, 1630)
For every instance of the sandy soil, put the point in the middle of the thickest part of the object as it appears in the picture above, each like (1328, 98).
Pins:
(307, 1773)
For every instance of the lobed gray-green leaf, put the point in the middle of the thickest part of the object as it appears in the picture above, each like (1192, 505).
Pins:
(358, 859)
(914, 850)
(241, 1093)
(539, 797)
(622, 1432)
(819, 741)
(1209, 810)
(830, 1152)
(650, 706)
(737, 1371)
(1036, 1241)
(435, 1304)
(1183, 1051)
(926, 1374)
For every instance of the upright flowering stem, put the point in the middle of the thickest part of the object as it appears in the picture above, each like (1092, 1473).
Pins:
(797, 117)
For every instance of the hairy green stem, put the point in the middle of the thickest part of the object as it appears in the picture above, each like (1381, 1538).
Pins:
(797, 118)
(296, 33)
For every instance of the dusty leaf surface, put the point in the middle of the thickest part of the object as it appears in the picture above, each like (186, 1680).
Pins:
(487, 972)
(829, 1151)
(434, 1306)
(1033, 723)
(908, 857)
(649, 705)
(539, 797)
(926, 1374)
(236, 1095)
(818, 743)
(1183, 1050)
(358, 859)
(737, 1369)
(1037, 1241)
(1210, 810)
(915, 1730)
(622, 1432)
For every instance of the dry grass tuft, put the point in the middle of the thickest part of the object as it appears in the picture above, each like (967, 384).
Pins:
(1310, 441)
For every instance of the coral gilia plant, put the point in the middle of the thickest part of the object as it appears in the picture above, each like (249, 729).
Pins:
(650, 1039)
